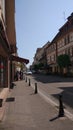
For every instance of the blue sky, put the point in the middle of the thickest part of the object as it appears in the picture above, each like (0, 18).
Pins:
(37, 22)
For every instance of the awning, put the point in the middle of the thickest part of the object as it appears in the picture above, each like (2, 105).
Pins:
(19, 59)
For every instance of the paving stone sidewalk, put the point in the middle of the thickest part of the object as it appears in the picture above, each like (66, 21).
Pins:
(28, 111)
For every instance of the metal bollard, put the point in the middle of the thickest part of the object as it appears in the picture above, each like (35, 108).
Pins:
(61, 108)
(29, 82)
(26, 79)
(1, 101)
(35, 88)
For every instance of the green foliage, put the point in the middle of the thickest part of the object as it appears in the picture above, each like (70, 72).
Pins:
(63, 60)
(38, 66)
(22, 66)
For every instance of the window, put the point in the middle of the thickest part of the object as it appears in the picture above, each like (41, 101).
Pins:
(72, 51)
(68, 51)
(67, 39)
(66, 27)
(2, 71)
(71, 37)
(72, 22)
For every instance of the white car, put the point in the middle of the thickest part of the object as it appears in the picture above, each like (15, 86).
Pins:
(28, 72)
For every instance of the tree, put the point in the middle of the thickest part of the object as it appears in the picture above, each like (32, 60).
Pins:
(63, 61)
(38, 66)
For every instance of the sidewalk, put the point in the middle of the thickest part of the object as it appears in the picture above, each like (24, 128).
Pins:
(28, 111)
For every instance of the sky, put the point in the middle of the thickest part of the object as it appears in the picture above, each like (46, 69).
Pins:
(37, 22)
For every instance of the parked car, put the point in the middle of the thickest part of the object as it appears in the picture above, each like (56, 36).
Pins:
(33, 71)
(29, 72)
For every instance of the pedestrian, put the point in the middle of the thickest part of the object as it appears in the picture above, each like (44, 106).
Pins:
(21, 75)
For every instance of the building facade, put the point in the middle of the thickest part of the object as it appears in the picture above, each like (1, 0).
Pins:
(8, 49)
(61, 44)
(10, 24)
(11, 33)
(37, 56)
(4, 48)
(51, 54)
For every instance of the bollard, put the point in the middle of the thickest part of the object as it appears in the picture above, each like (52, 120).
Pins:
(35, 88)
(12, 85)
(61, 109)
(1, 101)
(26, 79)
(29, 82)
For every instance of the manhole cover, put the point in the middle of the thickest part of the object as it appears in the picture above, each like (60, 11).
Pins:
(10, 99)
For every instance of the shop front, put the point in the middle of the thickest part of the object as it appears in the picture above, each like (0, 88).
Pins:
(13, 69)
(3, 64)
(4, 54)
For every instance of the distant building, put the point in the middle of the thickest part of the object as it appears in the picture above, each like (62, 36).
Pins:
(40, 56)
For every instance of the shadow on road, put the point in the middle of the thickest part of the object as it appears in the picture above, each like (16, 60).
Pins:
(67, 95)
(51, 78)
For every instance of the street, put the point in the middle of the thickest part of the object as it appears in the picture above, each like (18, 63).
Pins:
(36, 65)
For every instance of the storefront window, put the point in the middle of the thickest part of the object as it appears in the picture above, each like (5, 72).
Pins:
(2, 72)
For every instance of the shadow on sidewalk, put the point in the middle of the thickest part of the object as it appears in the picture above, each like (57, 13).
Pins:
(55, 118)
